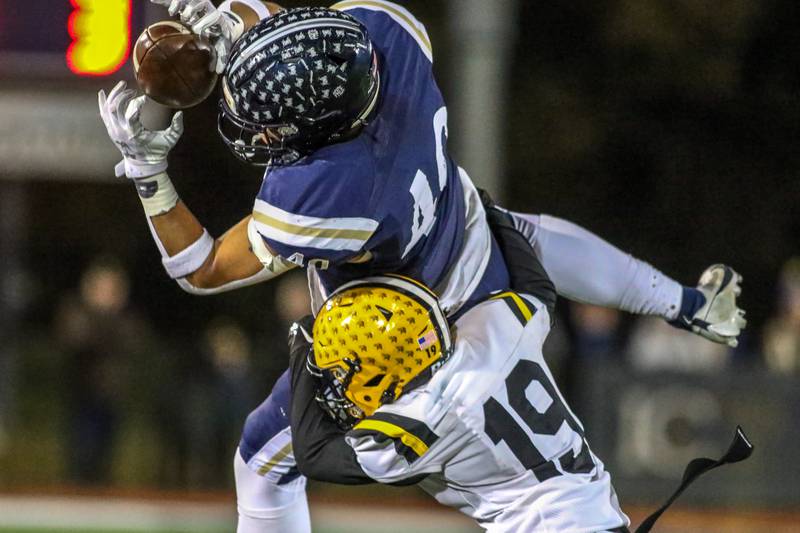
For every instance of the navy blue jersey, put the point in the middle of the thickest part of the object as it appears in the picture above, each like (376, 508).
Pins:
(391, 196)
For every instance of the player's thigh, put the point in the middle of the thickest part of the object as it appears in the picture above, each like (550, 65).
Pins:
(266, 443)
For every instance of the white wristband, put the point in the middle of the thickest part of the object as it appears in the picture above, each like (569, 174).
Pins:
(157, 194)
(189, 259)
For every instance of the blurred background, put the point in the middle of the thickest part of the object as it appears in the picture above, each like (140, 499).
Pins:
(669, 127)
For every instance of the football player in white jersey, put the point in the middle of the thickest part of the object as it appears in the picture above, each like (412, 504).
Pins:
(386, 389)
(366, 188)
(384, 393)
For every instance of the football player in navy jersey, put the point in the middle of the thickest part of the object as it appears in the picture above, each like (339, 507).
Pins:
(341, 107)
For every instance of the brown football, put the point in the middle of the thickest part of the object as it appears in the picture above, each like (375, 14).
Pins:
(173, 65)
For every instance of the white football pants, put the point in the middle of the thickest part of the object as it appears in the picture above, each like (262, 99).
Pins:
(265, 506)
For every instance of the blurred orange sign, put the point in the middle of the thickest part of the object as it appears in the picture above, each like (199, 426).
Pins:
(101, 33)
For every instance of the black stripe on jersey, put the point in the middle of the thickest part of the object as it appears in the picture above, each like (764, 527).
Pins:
(413, 427)
(404, 451)
(512, 304)
(528, 305)
(399, 447)
(515, 309)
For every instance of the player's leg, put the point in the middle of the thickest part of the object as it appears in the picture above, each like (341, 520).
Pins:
(617, 279)
(270, 491)
(621, 281)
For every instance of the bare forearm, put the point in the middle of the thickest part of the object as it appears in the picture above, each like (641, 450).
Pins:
(202, 265)
(177, 229)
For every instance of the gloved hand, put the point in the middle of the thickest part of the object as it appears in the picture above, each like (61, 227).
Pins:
(144, 151)
(221, 28)
(719, 318)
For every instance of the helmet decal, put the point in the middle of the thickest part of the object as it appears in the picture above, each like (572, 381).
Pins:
(308, 76)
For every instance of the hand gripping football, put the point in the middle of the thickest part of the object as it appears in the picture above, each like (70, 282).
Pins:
(173, 65)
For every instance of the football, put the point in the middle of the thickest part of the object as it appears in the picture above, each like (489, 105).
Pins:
(173, 65)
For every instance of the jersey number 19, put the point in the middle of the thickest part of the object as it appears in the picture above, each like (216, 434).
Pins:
(501, 425)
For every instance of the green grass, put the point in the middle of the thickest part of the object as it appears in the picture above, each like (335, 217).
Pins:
(49, 514)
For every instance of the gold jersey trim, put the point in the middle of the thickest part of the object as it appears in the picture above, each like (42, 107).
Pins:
(395, 432)
(275, 460)
(305, 231)
(518, 305)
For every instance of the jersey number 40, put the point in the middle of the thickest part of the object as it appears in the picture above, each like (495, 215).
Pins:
(424, 203)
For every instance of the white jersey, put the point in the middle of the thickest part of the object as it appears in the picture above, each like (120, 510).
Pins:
(492, 432)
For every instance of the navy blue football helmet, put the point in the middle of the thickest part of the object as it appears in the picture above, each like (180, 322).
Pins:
(297, 81)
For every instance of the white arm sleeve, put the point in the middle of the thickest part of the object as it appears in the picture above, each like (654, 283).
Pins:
(587, 269)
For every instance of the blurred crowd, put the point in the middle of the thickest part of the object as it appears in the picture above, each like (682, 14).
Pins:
(102, 397)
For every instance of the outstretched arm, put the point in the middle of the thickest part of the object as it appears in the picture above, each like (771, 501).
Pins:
(200, 264)
(231, 262)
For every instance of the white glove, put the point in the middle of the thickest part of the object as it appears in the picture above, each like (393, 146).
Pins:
(719, 319)
(144, 151)
(221, 27)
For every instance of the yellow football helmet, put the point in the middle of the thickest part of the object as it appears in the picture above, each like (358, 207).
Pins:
(373, 340)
